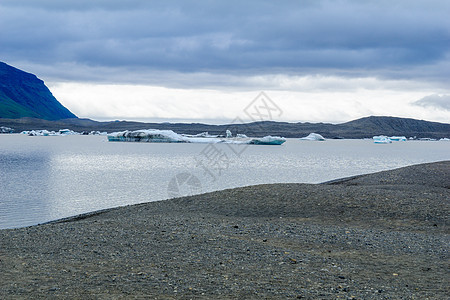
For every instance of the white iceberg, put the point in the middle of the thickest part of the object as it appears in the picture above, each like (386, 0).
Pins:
(168, 136)
(313, 137)
(444, 140)
(381, 139)
(149, 135)
(202, 134)
(44, 132)
(93, 132)
(38, 132)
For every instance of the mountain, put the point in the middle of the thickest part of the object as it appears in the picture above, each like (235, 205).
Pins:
(24, 95)
(396, 126)
(361, 128)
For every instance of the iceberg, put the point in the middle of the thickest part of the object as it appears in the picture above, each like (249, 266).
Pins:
(398, 138)
(150, 135)
(202, 134)
(44, 132)
(104, 133)
(313, 137)
(38, 132)
(67, 132)
(4, 129)
(444, 140)
(268, 140)
(381, 139)
(169, 136)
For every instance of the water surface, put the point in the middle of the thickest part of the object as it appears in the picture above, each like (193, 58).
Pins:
(47, 178)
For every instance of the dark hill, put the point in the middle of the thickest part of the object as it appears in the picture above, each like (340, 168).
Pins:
(24, 95)
(395, 126)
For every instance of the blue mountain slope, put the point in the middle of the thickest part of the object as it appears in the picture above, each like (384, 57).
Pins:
(24, 95)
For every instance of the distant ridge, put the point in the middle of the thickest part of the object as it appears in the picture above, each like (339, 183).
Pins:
(376, 125)
(22, 94)
(361, 128)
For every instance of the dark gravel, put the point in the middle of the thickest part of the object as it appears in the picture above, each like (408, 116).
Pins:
(375, 236)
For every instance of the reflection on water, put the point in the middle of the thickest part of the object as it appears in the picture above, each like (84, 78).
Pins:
(46, 178)
(24, 179)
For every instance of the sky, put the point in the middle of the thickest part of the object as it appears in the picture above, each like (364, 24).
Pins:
(207, 61)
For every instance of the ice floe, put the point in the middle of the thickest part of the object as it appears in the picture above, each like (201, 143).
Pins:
(61, 132)
(398, 138)
(150, 135)
(169, 136)
(4, 129)
(202, 134)
(267, 140)
(313, 137)
(93, 132)
(381, 139)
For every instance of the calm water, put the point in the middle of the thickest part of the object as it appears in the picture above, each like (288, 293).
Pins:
(47, 178)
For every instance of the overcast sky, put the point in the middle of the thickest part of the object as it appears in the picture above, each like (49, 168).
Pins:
(328, 61)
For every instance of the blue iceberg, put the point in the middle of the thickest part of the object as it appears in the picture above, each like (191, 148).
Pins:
(381, 139)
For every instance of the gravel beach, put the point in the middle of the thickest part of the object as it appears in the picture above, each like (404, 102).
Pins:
(376, 236)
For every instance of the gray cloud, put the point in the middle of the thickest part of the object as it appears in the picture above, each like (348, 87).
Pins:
(435, 101)
(349, 38)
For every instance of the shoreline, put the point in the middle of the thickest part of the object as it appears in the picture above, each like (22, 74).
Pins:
(372, 236)
(344, 180)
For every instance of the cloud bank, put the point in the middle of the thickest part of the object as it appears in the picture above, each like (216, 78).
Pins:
(435, 101)
(375, 38)
(310, 49)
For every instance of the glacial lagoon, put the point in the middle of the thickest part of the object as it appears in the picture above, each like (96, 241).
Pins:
(51, 177)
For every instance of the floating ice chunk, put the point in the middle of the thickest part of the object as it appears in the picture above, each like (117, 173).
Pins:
(268, 140)
(381, 139)
(444, 140)
(242, 136)
(44, 132)
(149, 135)
(35, 133)
(398, 138)
(4, 129)
(38, 132)
(313, 137)
(427, 139)
(228, 134)
(66, 132)
(94, 132)
(202, 134)
(168, 136)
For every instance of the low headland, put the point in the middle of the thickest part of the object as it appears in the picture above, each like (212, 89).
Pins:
(376, 236)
